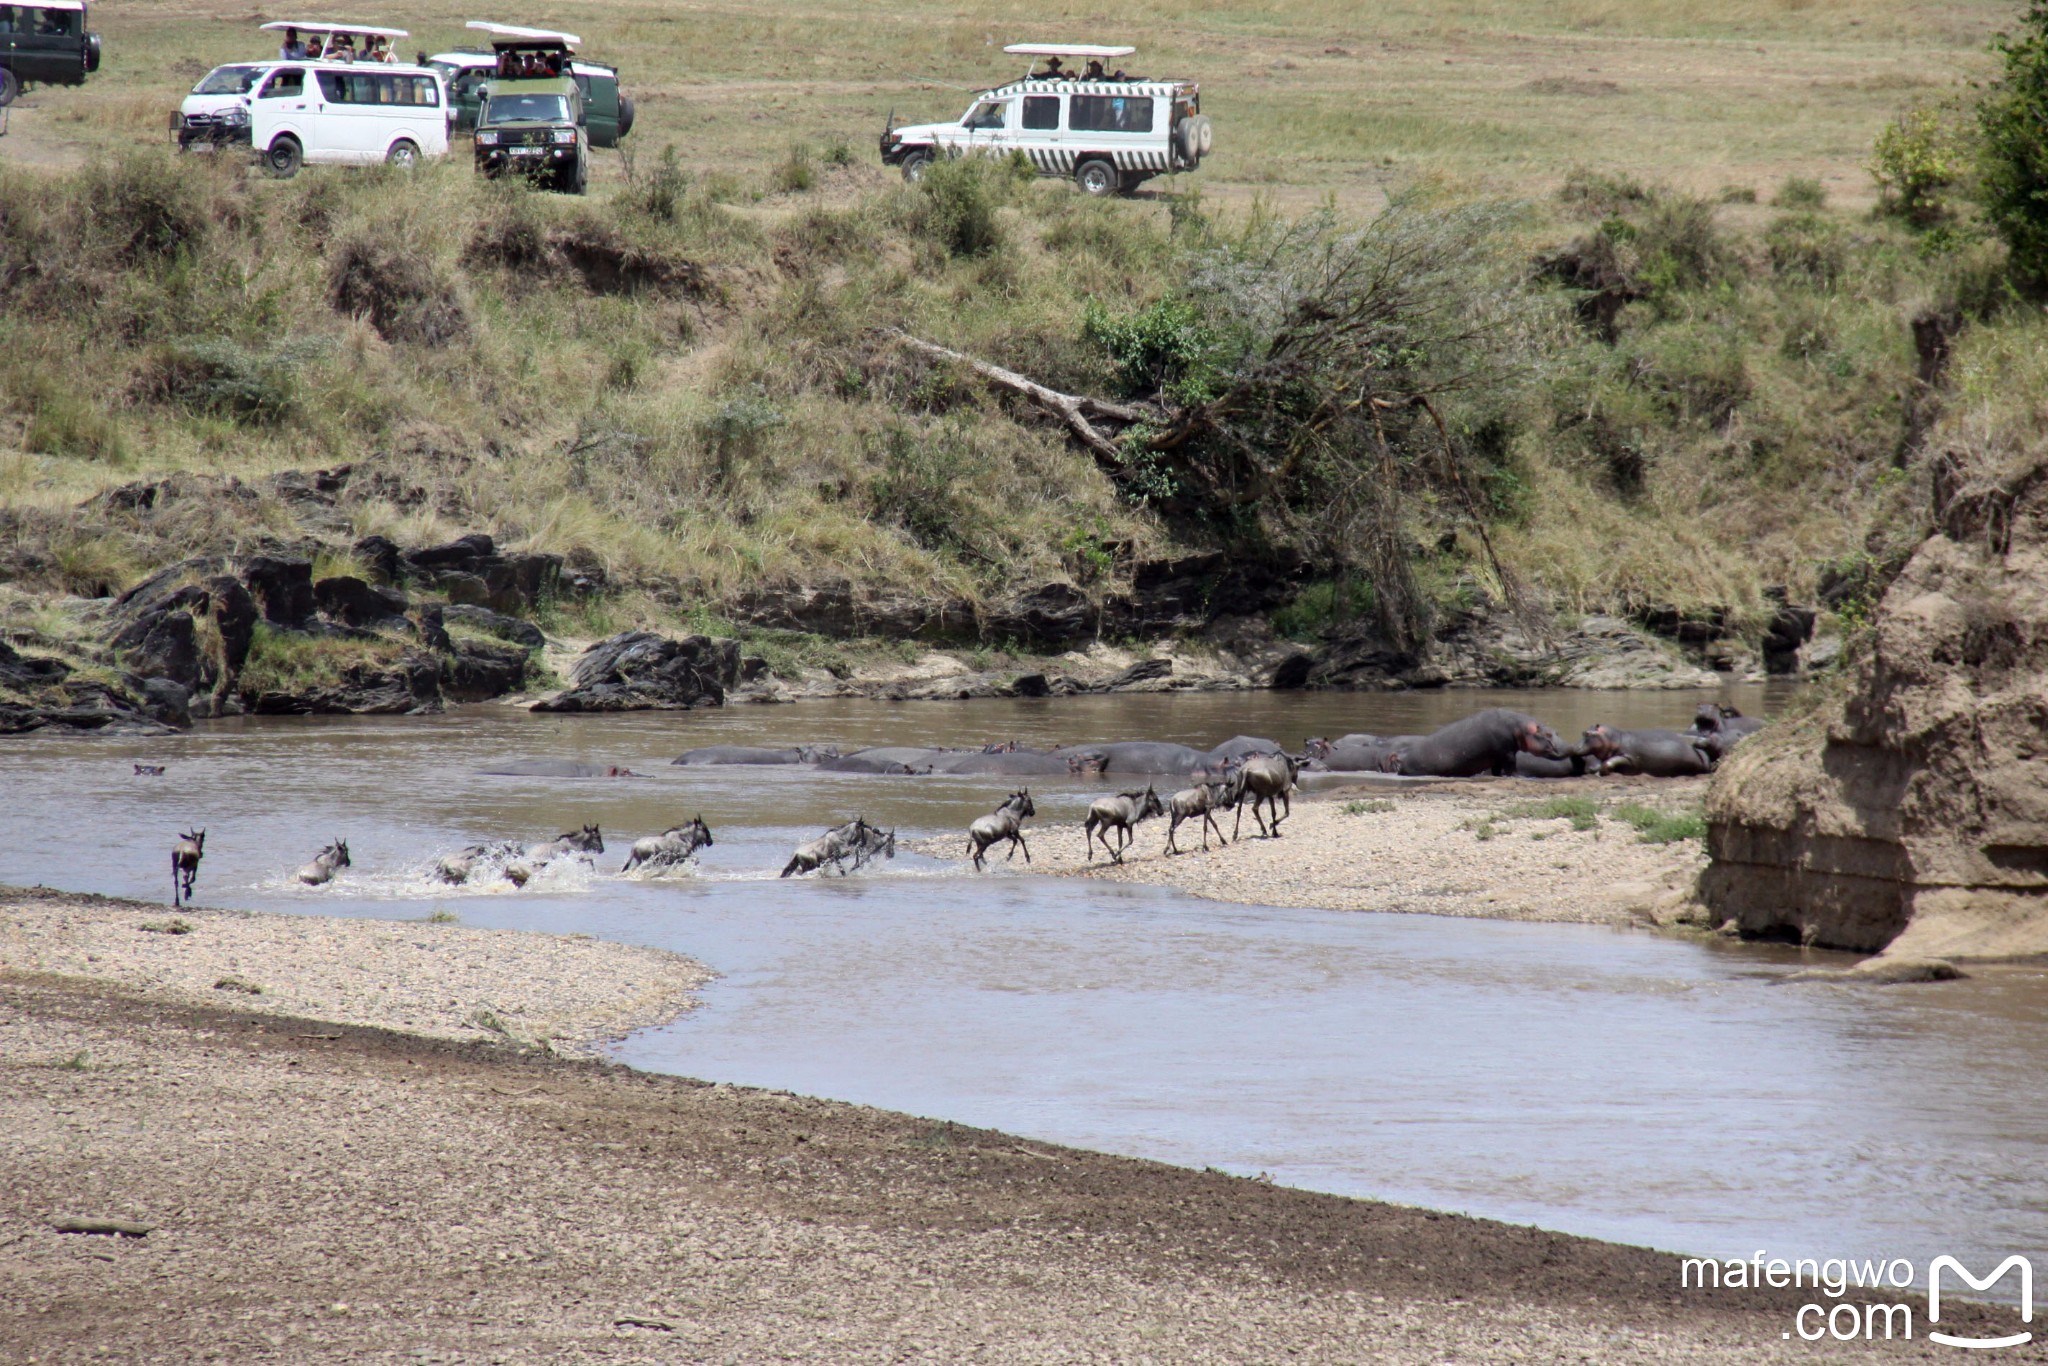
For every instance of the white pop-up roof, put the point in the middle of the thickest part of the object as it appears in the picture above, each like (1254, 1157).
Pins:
(1067, 50)
(55, 4)
(322, 26)
(513, 34)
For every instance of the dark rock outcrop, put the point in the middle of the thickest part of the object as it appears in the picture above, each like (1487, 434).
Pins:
(498, 624)
(38, 691)
(1910, 814)
(478, 670)
(470, 570)
(411, 684)
(348, 600)
(161, 635)
(640, 671)
(282, 588)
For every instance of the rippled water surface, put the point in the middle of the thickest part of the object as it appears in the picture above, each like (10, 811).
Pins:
(1602, 1082)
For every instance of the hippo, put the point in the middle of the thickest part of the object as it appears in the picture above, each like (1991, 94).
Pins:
(555, 768)
(1528, 765)
(1143, 757)
(1715, 719)
(1007, 763)
(1244, 746)
(892, 759)
(1362, 754)
(1485, 742)
(751, 754)
(1657, 753)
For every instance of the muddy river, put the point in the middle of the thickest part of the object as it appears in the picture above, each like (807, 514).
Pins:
(1619, 1084)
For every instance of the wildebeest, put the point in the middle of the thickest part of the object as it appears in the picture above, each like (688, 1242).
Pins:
(585, 841)
(185, 856)
(325, 863)
(1267, 778)
(856, 840)
(1119, 813)
(457, 867)
(1006, 822)
(149, 770)
(672, 846)
(1203, 800)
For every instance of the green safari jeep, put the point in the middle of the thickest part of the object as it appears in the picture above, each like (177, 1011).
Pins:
(47, 42)
(533, 126)
(607, 110)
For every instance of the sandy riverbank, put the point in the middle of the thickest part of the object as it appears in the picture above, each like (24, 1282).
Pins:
(1485, 848)
(447, 981)
(328, 1192)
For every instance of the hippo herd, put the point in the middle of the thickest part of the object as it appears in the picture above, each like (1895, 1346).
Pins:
(1240, 772)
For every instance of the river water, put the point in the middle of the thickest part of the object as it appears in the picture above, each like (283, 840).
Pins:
(1618, 1084)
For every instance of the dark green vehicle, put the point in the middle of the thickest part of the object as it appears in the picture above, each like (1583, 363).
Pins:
(45, 43)
(533, 126)
(607, 110)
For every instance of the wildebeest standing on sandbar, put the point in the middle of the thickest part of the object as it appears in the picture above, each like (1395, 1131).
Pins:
(1006, 822)
(185, 856)
(1119, 813)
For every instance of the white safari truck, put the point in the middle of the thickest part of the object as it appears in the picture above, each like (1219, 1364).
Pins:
(333, 93)
(1079, 115)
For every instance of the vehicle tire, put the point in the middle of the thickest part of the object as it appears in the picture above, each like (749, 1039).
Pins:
(1097, 178)
(404, 154)
(625, 115)
(284, 157)
(10, 86)
(579, 179)
(1195, 137)
(915, 164)
(92, 53)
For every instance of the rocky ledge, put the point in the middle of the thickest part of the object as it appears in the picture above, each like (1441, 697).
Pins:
(1910, 812)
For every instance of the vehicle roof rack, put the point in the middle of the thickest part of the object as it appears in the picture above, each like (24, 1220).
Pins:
(323, 26)
(513, 36)
(1067, 50)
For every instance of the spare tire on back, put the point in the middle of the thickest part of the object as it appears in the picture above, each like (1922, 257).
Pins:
(625, 113)
(1193, 137)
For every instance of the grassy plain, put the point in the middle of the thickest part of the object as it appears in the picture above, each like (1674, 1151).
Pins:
(1310, 98)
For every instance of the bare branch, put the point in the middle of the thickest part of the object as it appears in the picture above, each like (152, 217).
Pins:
(1074, 410)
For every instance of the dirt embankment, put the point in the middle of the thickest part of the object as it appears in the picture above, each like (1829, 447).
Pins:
(1907, 813)
(319, 1192)
(1507, 849)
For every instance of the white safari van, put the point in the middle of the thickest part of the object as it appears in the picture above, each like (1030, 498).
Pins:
(1079, 116)
(345, 106)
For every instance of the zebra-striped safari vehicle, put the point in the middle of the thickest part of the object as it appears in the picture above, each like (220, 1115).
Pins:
(1109, 131)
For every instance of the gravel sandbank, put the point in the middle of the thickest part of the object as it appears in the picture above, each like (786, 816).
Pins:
(1472, 848)
(447, 981)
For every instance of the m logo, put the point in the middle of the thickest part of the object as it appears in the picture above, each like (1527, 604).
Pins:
(2026, 1270)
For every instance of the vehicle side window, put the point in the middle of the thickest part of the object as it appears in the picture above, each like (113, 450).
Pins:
(426, 90)
(291, 81)
(6, 18)
(333, 85)
(1110, 114)
(989, 115)
(51, 23)
(1041, 112)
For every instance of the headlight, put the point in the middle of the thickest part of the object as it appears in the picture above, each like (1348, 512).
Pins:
(565, 135)
(236, 115)
(487, 139)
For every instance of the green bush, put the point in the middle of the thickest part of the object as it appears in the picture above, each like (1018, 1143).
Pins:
(1919, 157)
(1807, 246)
(1800, 192)
(960, 199)
(1599, 194)
(2013, 122)
(1165, 349)
(796, 173)
(1662, 827)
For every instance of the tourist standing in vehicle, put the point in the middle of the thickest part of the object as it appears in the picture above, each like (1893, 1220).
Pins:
(293, 50)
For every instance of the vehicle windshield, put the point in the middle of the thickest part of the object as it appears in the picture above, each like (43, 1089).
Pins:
(228, 80)
(987, 114)
(527, 108)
